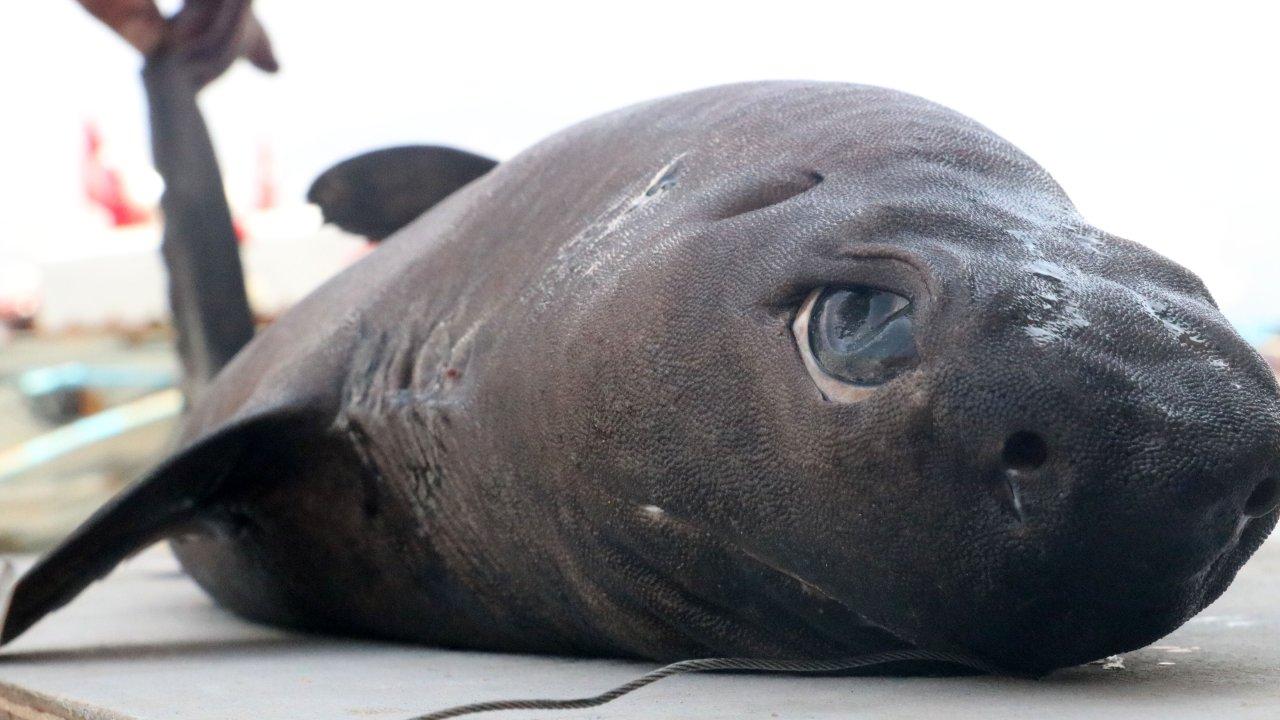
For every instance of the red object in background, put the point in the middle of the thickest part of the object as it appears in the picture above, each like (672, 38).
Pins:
(268, 196)
(104, 186)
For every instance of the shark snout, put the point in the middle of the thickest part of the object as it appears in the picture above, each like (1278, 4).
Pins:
(1263, 499)
(1242, 481)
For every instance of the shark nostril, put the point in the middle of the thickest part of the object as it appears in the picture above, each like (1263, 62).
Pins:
(1264, 498)
(1024, 451)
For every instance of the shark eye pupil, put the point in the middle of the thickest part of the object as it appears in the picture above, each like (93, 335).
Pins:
(861, 335)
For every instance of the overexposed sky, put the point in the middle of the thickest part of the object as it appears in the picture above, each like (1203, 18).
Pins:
(1161, 120)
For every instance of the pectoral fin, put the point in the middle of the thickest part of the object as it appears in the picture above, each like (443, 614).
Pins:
(169, 499)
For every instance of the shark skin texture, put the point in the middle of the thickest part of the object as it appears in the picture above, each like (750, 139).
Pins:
(772, 370)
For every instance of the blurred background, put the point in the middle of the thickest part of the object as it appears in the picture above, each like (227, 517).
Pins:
(1159, 119)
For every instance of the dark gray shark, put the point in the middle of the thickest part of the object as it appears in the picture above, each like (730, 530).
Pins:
(781, 370)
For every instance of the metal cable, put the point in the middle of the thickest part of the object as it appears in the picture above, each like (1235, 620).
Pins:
(704, 665)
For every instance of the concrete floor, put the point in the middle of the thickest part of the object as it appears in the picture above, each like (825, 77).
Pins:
(147, 644)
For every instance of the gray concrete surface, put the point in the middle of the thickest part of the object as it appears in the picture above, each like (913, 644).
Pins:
(147, 644)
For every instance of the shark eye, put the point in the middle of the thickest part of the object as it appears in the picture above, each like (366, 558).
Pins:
(855, 338)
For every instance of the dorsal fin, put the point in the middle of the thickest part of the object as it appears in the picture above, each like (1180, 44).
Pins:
(379, 192)
(164, 502)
